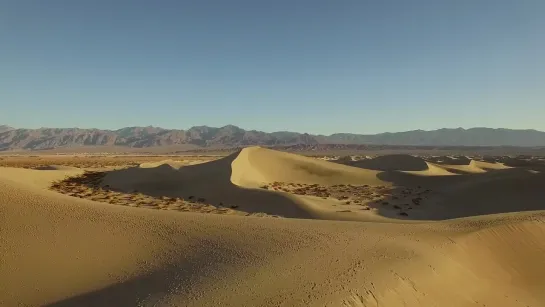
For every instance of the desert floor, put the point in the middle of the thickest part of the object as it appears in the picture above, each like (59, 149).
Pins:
(267, 228)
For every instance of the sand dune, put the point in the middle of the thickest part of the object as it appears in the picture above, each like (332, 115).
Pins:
(58, 250)
(176, 164)
(489, 165)
(432, 169)
(235, 180)
(418, 166)
(255, 166)
(471, 168)
(171, 163)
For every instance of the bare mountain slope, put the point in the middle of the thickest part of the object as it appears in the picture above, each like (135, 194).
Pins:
(232, 136)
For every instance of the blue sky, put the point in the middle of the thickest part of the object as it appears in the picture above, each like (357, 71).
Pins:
(300, 65)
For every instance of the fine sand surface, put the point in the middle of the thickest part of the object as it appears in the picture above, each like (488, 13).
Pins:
(472, 238)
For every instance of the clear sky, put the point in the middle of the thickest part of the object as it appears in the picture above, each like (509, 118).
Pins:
(301, 65)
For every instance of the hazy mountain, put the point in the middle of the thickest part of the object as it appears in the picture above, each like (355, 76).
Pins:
(4, 128)
(446, 137)
(232, 136)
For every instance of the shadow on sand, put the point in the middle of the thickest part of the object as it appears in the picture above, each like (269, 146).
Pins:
(464, 195)
(210, 182)
(413, 196)
(179, 276)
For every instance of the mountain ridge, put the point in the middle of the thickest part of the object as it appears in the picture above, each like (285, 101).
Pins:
(232, 136)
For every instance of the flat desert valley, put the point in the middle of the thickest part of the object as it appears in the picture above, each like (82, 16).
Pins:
(261, 227)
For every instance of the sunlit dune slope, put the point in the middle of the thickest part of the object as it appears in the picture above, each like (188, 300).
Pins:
(256, 165)
(61, 251)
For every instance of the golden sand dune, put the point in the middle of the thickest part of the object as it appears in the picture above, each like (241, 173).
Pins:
(432, 169)
(473, 167)
(489, 165)
(254, 166)
(418, 166)
(235, 180)
(61, 251)
(262, 181)
(172, 163)
(450, 160)
(58, 250)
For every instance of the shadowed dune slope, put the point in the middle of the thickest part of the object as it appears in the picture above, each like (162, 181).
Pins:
(399, 162)
(475, 193)
(58, 250)
(56, 168)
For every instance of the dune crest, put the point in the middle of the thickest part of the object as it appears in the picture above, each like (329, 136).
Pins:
(171, 163)
(432, 170)
(254, 166)
(471, 168)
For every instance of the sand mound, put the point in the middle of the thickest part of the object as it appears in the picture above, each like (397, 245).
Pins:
(507, 191)
(255, 166)
(235, 180)
(472, 194)
(481, 261)
(432, 169)
(257, 180)
(462, 166)
(471, 168)
(398, 162)
(450, 160)
(61, 251)
(489, 165)
(170, 163)
(37, 178)
(506, 256)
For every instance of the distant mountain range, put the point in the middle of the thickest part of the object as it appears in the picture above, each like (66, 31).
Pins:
(232, 136)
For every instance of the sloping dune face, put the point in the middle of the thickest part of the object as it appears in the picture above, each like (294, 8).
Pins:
(255, 165)
(432, 169)
(490, 261)
(472, 167)
(171, 163)
(489, 165)
(57, 250)
(393, 163)
(508, 256)
(235, 180)
(61, 251)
